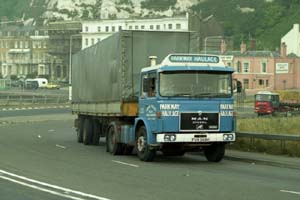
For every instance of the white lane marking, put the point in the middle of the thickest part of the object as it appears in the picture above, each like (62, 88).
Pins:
(292, 192)
(124, 163)
(60, 146)
(66, 190)
(39, 188)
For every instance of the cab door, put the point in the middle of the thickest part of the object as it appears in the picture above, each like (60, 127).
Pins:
(148, 99)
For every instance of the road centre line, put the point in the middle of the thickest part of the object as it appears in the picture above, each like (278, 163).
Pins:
(124, 163)
(60, 146)
(288, 191)
(41, 189)
(52, 186)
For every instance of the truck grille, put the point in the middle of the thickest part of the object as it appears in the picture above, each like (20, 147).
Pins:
(199, 121)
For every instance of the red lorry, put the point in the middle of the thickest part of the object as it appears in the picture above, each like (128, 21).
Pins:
(267, 103)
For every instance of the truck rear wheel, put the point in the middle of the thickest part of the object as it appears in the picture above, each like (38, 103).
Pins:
(79, 130)
(215, 152)
(143, 150)
(112, 144)
(96, 132)
(87, 131)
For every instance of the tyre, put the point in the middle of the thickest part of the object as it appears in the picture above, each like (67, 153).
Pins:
(143, 150)
(215, 152)
(79, 130)
(96, 133)
(87, 131)
(112, 145)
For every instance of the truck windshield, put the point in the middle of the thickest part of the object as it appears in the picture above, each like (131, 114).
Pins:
(267, 97)
(195, 84)
(263, 97)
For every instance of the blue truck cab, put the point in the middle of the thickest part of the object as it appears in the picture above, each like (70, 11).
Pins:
(185, 104)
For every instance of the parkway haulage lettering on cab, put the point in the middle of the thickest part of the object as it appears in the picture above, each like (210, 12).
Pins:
(169, 110)
(226, 110)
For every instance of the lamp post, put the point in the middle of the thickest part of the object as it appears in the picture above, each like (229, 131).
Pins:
(210, 37)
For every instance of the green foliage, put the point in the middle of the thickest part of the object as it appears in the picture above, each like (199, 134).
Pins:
(32, 75)
(44, 76)
(85, 15)
(286, 125)
(13, 77)
(13, 9)
(159, 5)
(267, 24)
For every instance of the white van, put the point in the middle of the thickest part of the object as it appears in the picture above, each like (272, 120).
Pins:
(42, 82)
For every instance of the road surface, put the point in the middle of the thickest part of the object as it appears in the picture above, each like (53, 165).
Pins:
(33, 110)
(43, 161)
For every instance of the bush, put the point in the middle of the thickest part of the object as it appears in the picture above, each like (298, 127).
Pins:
(13, 77)
(32, 75)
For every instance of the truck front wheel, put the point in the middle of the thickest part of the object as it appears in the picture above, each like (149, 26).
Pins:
(143, 150)
(112, 144)
(215, 152)
(96, 133)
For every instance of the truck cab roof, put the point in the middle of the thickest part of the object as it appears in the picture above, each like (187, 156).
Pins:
(197, 62)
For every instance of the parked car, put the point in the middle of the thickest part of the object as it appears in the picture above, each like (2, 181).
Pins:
(52, 86)
(42, 82)
(31, 84)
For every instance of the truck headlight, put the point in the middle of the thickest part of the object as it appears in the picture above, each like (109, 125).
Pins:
(228, 137)
(170, 137)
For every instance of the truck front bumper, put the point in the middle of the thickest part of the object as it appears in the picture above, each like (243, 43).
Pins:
(195, 137)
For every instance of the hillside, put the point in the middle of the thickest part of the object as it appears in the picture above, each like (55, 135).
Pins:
(264, 20)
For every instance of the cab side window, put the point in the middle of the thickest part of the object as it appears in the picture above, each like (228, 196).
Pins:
(149, 87)
(152, 87)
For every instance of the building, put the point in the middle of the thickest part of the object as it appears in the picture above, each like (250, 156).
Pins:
(292, 40)
(263, 70)
(95, 31)
(23, 51)
(64, 40)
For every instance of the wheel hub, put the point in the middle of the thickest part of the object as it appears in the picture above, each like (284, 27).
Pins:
(141, 143)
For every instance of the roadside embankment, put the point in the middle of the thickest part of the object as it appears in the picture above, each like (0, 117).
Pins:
(278, 136)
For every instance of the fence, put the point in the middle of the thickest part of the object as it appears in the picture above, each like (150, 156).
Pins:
(4, 84)
(15, 100)
(282, 138)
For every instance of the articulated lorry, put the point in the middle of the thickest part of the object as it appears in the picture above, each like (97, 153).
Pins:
(183, 104)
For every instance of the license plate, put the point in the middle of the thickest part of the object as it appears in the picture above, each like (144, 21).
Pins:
(198, 139)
